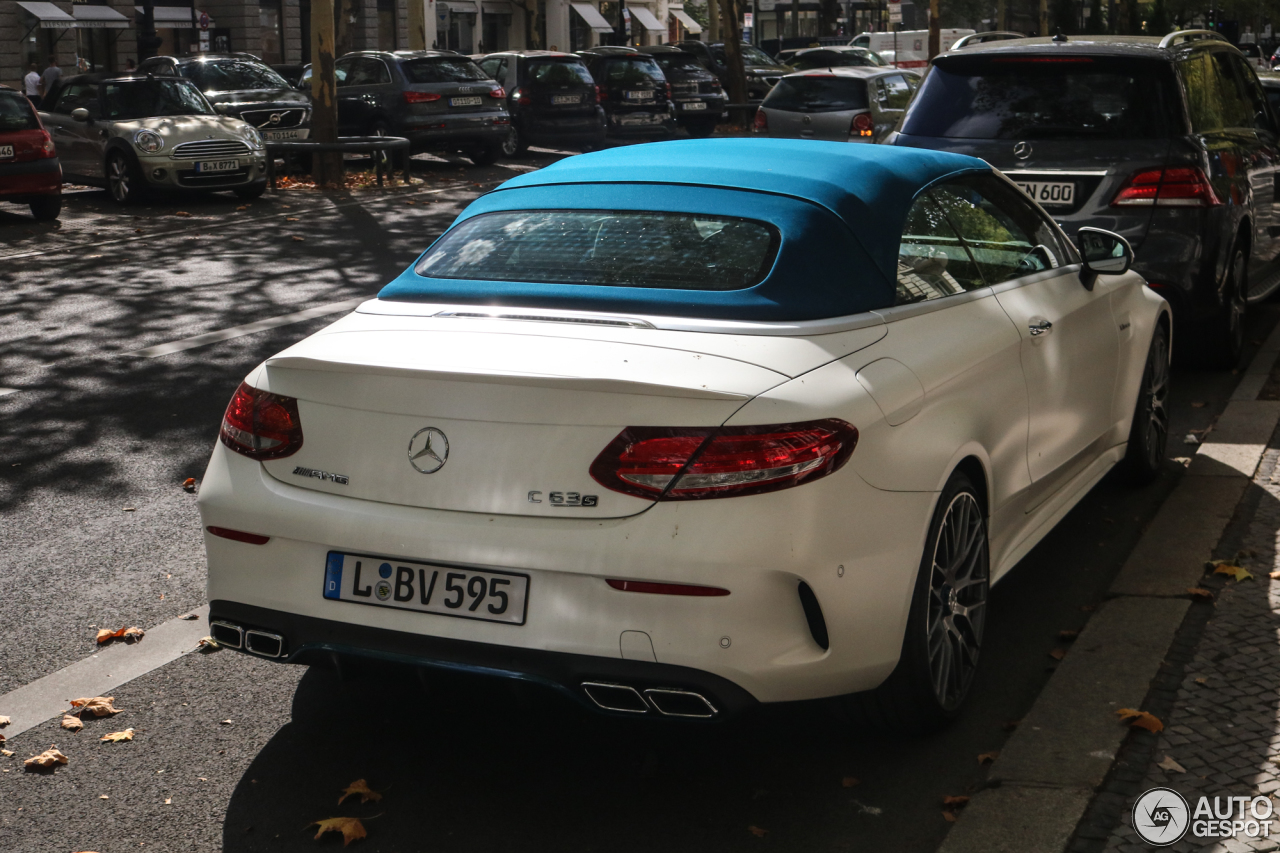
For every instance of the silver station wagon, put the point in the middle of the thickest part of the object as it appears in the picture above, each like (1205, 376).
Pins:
(840, 104)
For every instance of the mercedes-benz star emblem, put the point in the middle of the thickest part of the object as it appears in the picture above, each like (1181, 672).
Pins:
(428, 450)
(1022, 150)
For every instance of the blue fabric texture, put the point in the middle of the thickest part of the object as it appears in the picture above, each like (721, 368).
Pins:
(840, 208)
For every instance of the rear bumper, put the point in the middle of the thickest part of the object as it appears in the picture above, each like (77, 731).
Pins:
(32, 177)
(540, 129)
(451, 133)
(714, 108)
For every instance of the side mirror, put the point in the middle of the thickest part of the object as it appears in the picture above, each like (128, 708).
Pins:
(1104, 253)
(80, 114)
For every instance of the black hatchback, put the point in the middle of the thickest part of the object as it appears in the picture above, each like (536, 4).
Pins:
(1168, 141)
(552, 99)
(633, 91)
(699, 98)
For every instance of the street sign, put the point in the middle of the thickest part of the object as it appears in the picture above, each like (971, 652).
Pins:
(204, 20)
(747, 20)
(766, 5)
(895, 11)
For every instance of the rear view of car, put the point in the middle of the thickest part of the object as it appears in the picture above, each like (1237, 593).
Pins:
(835, 57)
(29, 170)
(633, 91)
(698, 96)
(838, 105)
(551, 97)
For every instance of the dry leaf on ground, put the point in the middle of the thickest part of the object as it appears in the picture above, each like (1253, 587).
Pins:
(4, 721)
(1275, 576)
(360, 787)
(191, 617)
(297, 239)
(955, 802)
(72, 724)
(243, 207)
(1170, 764)
(1140, 720)
(849, 781)
(291, 219)
(210, 643)
(1200, 592)
(98, 706)
(189, 484)
(757, 831)
(949, 817)
(988, 757)
(131, 633)
(1058, 654)
(46, 759)
(116, 737)
(1202, 681)
(350, 827)
(181, 213)
(6, 752)
(1238, 572)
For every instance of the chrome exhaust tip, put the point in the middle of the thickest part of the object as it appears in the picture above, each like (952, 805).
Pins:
(263, 643)
(231, 636)
(615, 697)
(680, 703)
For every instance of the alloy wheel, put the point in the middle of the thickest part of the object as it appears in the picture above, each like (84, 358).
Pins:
(511, 143)
(1155, 392)
(1239, 290)
(957, 600)
(119, 179)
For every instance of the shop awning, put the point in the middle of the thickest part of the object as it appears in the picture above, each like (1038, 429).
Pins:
(172, 17)
(464, 7)
(496, 7)
(687, 22)
(593, 17)
(49, 16)
(646, 19)
(98, 18)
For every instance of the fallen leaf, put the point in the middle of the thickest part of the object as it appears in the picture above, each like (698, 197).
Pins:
(116, 737)
(350, 827)
(988, 757)
(1170, 764)
(1140, 720)
(189, 484)
(1202, 681)
(849, 781)
(131, 509)
(168, 801)
(4, 721)
(1068, 635)
(360, 787)
(210, 643)
(297, 239)
(72, 724)
(757, 831)
(949, 817)
(1238, 572)
(1200, 593)
(291, 219)
(181, 213)
(955, 802)
(226, 722)
(6, 753)
(137, 231)
(45, 760)
(104, 797)
(131, 633)
(1197, 405)
(191, 617)
(243, 207)
(1058, 654)
(98, 706)
(1275, 576)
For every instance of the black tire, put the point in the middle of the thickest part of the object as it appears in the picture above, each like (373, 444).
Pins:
(124, 181)
(252, 191)
(486, 156)
(1223, 343)
(700, 129)
(940, 650)
(1149, 435)
(514, 144)
(46, 208)
(380, 127)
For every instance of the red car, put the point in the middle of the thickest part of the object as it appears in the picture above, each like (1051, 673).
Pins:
(29, 169)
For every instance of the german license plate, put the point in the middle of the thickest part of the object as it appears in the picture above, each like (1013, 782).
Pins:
(638, 94)
(1050, 193)
(6, 152)
(694, 105)
(284, 135)
(565, 99)
(217, 166)
(638, 118)
(465, 102)
(409, 585)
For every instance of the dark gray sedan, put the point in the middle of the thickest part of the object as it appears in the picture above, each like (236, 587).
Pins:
(857, 104)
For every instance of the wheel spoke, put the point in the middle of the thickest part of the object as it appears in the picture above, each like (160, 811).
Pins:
(956, 600)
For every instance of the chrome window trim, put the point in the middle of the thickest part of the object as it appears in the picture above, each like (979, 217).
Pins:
(1074, 173)
(1043, 275)
(928, 306)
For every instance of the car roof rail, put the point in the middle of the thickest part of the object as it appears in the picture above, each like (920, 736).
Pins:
(1190, 35)
(979, 38)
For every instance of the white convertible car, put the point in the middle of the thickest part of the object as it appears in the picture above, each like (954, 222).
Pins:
(685, 427)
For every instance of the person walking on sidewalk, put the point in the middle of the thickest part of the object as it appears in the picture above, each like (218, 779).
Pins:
(50, 76)
(31, 85)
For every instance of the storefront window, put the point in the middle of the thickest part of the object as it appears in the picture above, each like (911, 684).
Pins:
(387, 24)
(271, 20)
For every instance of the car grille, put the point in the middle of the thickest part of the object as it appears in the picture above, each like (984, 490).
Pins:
(210, 148)
(261, 119)
(684, 88)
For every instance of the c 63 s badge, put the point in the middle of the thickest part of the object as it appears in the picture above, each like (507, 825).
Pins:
(340, 479)
(565, 499)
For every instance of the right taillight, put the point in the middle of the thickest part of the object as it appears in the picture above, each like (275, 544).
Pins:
(1177, 186)
(761, 122)
(261, 425)
(863, 125)
(678, 463)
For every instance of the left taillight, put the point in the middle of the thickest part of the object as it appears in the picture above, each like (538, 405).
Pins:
(678, 463)
(45, 147)
(1176, 186)
(261, 425)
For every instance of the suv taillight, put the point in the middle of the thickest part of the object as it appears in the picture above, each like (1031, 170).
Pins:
(678, 463)
(421, 97)
(599, 93)
(1175, 186)
(668, 91)
(863, 125)
(761, 122)
(498, 92)
(261, 425)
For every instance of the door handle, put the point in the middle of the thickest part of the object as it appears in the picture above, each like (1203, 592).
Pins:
(1039, 327)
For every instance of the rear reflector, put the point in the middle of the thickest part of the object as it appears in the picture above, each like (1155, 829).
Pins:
(1177, 186)
(666, 588)
(239, 535)
(261, 425)
(680, 463)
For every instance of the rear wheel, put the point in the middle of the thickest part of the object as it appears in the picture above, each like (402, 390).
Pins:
(1224, 340)
(47, 207)
(123, 178)
(380, 127)
(514, 144)
(1149, 434)
(944, 628)
(485, 156)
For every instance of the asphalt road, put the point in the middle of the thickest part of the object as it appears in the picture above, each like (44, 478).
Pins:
(233, 753)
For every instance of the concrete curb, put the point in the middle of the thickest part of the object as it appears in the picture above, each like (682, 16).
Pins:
(1049, 770)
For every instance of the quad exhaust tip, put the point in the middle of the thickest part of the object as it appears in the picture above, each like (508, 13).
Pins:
(231, 636)
(668, 702)
(261, 643)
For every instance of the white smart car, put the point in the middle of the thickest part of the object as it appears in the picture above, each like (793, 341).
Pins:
(684, 427)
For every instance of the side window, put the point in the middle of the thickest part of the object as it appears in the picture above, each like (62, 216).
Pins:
(1201, 85)
(892, 92)
(1262, 117)
(75, 96)
(1007, 236)
(1237, 111)
(368, 72)
(932, 260)
(490, 66)
(343, 71)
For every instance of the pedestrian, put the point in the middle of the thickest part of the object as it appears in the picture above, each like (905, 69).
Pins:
(50, 76)
(31, 85)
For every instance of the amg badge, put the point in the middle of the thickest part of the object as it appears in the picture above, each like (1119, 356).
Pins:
(340, 479)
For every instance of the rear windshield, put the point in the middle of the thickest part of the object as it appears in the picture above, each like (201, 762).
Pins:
(830, 59)
(444, 69)
(159, 96)
(1038, 97)
(597, 247)
(16, 113)
(559, 72)
(230, 75)
(679, 62)
(817, 94)
(618, 69)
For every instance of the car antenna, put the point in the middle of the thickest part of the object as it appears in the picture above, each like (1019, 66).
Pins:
(1058, 36)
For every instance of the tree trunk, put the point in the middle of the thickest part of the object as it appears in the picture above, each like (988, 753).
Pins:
(713, 21)
(733, 56)
(326, 166)
(417, 25)
(935, 32)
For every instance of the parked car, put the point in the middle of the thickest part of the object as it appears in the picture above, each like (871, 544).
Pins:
(242, 86)
(131, 134)
(699, 98)
(835, 57)
(908, 48)
(633, 91)
(861, 104)
(30, 173)
(439, 99)
(1255, 56)
(683, 428)
(1168, 141)
(552, 99)
(1270, 81)
(762, 70)
(292, 73)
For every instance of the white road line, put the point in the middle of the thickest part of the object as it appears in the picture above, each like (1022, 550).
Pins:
(100, 673)
(247, 329)
(5, 392)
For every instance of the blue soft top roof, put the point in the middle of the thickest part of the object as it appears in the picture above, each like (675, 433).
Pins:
(867, 189)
